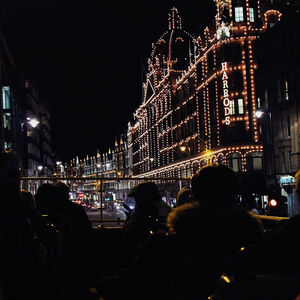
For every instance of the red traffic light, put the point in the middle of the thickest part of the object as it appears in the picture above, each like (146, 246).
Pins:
(273, 203)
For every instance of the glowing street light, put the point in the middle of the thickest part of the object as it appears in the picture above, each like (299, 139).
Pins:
(33, 122)
(259, 113)
(183, 148)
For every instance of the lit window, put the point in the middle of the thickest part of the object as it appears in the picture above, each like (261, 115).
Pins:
(258, 102)
(286, 90)
(6, 97)
(235, 164)
(251, 14)
(231, 107)
(239, 14)
(257, 163)
(7, 121)
(241, 106)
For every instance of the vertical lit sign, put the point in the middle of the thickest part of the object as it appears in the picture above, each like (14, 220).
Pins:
(226, 101)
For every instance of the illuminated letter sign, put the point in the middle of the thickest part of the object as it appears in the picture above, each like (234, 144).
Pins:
(226, 101)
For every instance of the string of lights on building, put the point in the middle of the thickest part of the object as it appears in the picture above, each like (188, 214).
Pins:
(200, 95)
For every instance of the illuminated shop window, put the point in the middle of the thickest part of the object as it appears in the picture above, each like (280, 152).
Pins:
(240, 106)
(239, 14)
(251, 14)
(231, 107)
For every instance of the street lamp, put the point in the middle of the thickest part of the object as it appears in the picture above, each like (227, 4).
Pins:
(33, 122)
(259, 113)
(268, 138)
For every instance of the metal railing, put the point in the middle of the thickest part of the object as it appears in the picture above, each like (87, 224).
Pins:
(96, 189)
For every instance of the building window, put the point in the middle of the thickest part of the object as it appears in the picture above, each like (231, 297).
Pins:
(235, 162)
(281, 127)
(231, 107)
(279, 95)
(288, 126)
(7, 145)
(6, 97)
(239, 14)
(290, 161)
(257, 163)
(240, 106)
(7, 121)
(283, 162)
(286, 90)
(254, 161)
(258, 102)
(251, 14)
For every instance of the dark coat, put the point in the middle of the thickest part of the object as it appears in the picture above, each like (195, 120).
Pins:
(207, 238)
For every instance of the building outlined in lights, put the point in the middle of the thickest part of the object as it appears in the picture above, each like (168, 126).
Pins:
(200, 93)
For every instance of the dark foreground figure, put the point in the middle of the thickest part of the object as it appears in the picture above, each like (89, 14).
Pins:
(186, 259)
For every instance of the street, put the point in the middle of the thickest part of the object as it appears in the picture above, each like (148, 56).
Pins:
(110, 218)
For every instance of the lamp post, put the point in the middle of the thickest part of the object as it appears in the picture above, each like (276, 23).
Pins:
(260, 113)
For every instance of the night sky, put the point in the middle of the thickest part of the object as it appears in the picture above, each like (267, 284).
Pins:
(86, 57)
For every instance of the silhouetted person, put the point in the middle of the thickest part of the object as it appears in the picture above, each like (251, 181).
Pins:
(148, 218)
(18, 251)
(184, 196)
(208, 233)
(81, 243)
(43, 263)
(150, 214)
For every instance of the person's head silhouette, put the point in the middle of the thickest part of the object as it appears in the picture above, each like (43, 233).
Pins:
(214, 184)
(145, 194)
(184, 196)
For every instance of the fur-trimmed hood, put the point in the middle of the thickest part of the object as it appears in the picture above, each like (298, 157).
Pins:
(215, 224)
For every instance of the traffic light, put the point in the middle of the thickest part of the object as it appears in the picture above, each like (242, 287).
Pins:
(273, 203)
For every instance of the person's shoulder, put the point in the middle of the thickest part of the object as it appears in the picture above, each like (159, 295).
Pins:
(164, 206)
(183, 214)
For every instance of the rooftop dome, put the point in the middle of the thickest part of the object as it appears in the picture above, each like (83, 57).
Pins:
(176, 48)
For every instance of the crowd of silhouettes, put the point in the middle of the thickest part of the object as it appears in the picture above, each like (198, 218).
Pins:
(174, 253)
(42, 238)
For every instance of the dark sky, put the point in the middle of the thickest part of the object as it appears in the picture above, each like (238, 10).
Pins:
(85, 58)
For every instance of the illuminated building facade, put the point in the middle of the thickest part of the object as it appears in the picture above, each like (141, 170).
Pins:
(112, 164)
(200, 93)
